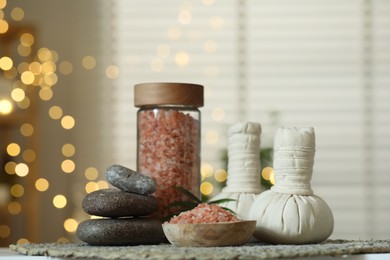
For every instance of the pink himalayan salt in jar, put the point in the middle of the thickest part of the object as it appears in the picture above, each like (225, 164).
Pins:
(168, 131)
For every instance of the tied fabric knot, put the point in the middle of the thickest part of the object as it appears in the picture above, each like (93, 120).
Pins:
(243, 154)
(293, 161)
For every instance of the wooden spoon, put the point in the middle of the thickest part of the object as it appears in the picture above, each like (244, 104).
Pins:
(210, 234)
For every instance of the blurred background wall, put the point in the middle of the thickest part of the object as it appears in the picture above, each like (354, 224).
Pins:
(68, 70)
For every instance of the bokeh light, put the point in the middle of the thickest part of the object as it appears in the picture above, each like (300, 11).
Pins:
(55, 112)
(206, 188)
(68, 122)
(68, 166)
(59, 201)
(68, 150)
(27, 129)
(89, 62)
(41, 184)
(13, 149)
(91, 173)
(70, 225)
(21, 169)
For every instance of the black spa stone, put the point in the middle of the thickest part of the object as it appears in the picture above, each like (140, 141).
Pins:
(121, 232)
(131, 181)
(117, 203)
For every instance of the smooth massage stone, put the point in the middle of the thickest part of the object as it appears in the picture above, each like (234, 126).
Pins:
(117, 203)
(121, 232)
(131, 181)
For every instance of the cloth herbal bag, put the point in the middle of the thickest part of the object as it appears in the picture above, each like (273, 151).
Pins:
(289, 213)
(243, 182)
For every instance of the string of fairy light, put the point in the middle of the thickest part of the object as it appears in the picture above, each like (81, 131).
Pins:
(42, 73)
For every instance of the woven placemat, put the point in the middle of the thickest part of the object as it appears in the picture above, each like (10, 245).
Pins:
(249, 251)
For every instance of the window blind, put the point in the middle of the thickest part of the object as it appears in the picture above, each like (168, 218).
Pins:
(318, 63)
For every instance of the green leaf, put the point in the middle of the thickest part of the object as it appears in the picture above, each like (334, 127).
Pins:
(229, 210)
(220, 201)
(188, 194)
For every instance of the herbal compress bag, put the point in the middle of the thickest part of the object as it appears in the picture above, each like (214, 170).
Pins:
(243, 183)
(289, 213)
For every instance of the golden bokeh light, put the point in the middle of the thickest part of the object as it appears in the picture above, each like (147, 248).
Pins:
(89, 62)
(207, 170)
(10, 168)
(66, 68)
(44, 54)
(272, 178)
(68, 166)
(3, 4)
(21, 169)
(218, 114)
(174, 33)
(102, 185)
(17, 14)
(5, 231)
(13, 149)
(59, 201)
(23, 66)
(18, 94)
(70, 225)
(14, 208)
(67, 122)
(17, 190)
(112, 72)
(3, 26)
(266, 173)
(35, 67)
(206, 188)
(29, 155)
(6, 106)
(27, 77)
(62, 240)
(182, 58)
(45, 94)
(91, 173)
(210, 46)
(41, 184)
(25, 103)
(55, 112)
(27, 129)
(91, 187)
(184, 17)
(216, 22)
(22, 241)
(48, 67)
(220, 175)
(68, 150)
(27, 39)
(24, 51)
(6, 63)
(11, 73)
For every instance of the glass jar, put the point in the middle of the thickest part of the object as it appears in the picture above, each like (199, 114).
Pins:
(168, 138)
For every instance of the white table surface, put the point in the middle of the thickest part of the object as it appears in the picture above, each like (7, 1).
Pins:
(6, 253)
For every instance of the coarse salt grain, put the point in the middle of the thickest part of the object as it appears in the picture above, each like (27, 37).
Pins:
(204, 213)
(169, 153)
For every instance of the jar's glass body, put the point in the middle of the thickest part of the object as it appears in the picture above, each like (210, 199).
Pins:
(168, 150)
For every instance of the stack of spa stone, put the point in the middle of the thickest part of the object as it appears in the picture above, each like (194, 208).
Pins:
(124, 209)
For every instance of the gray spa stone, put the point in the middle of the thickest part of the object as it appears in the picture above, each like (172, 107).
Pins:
(117, 203)
(131, 181)
(121, 232)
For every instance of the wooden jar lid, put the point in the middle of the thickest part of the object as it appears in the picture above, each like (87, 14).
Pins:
(167, 93)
